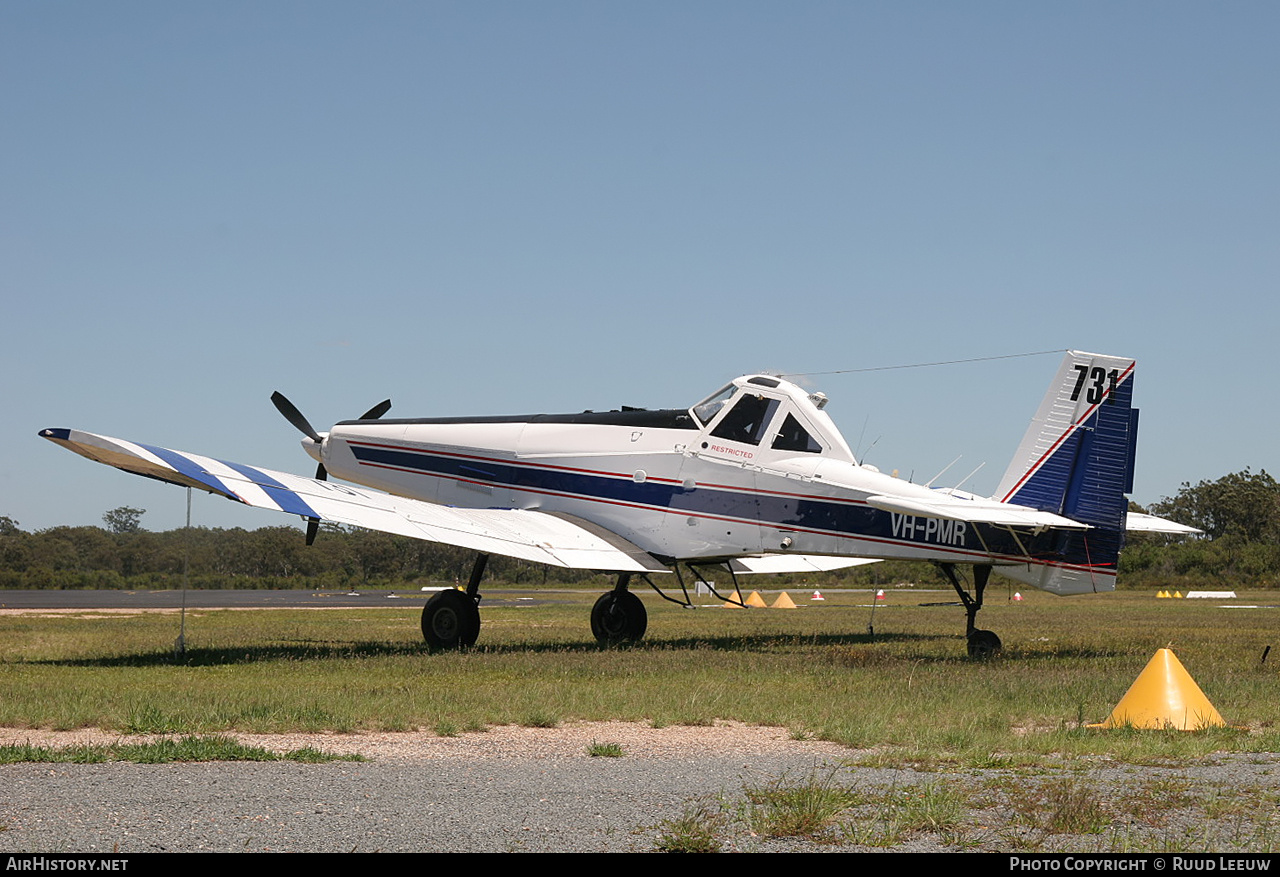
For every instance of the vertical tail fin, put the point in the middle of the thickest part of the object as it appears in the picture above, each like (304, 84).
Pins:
(1076, 460)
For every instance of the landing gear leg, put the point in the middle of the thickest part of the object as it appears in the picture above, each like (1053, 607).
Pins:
(451, 619)
(983, 644)
(618, 616)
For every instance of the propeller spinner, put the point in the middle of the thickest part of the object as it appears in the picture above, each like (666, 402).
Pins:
(300, 423)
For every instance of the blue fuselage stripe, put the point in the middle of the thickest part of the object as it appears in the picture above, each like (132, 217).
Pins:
(786, 512)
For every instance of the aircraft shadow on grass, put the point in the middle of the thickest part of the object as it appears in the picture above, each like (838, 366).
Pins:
(328, 650)
(331, 650)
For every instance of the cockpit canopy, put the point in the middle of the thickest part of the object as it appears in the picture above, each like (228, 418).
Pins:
(768, 412)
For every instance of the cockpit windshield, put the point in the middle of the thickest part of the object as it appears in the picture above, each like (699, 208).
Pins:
(708, 408)
(747, 420)
(773, 414)
(795, 437)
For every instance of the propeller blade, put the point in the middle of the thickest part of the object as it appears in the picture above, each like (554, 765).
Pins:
(294, 416)
(377, 410)
(313, 524)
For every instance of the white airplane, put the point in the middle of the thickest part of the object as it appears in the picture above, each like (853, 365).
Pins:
(755, 478)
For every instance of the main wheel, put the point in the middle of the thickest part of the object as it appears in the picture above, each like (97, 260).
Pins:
(618, 617)
(983, 645)
(450, 620)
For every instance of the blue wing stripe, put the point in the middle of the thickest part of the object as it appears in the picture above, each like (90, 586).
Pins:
(282, 496)
(191, 469)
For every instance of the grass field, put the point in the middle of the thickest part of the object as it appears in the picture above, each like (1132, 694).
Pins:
(911, 695)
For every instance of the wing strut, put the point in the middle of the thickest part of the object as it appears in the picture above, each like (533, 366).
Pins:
(736, 600)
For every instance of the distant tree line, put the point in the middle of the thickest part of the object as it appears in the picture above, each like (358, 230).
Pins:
(1240, 514)
(270, 557)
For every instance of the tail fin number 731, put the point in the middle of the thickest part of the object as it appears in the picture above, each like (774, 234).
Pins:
(1103, 382)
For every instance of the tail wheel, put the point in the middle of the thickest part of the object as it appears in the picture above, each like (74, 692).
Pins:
(618, 617)
(450, 620)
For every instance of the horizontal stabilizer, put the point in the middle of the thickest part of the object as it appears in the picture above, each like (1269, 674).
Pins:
(974, 512)
(558, 540)
(801, 563)
(1140, 523)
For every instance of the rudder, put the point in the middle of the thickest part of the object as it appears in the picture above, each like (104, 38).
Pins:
(1076, 459)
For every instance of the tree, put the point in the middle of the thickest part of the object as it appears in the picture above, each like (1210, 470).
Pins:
(124, 520)
(1243, 504)
(15, 546)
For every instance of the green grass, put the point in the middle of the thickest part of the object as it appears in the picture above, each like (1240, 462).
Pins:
(605, 750)
(1062, 805)
(909, 696)
(540, 718)
(1006, 813)
(206, 748)
(806, 808)
(696, 830)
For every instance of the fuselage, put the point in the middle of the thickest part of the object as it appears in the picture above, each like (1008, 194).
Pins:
(758, 467)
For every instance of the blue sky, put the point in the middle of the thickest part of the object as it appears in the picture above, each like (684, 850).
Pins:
(490, 207)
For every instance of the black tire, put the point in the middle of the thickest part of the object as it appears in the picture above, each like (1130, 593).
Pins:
(450, 620)
(618, 618)
(984, 645)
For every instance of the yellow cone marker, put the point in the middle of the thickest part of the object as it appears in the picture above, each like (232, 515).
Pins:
(1177, 594)
(756, 600)
(784, 601)
(1164, 696)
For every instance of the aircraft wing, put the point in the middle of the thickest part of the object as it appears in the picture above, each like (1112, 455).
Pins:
(999, 514)
(555, 539)
(1136, 522)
